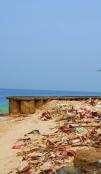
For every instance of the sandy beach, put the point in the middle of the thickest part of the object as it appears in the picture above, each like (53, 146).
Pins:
(13, 129)
(50, 87)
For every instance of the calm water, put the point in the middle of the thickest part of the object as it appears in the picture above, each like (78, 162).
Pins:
(13, 92)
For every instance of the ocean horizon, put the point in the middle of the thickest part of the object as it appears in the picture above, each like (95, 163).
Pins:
(30, 92)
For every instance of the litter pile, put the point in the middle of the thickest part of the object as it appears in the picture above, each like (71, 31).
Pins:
(73, 148)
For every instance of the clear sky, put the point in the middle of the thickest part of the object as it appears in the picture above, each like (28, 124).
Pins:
(50, 44)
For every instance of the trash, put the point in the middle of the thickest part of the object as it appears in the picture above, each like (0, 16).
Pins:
(35, 157)
(50, 144)
(80, 129)
(24, 166)
(65, 129)
(46, 166)
(26, 140)
(98, 116)
(36, 131)
(22, 142)
(17, 146)
(68, 153)
(48, 171)
(70, 126)
(74, 141)
(66, 142)
(99, 161)
(69, 170)
(52, 155)
(46, 116)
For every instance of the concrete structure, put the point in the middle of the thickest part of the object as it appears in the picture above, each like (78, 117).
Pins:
(28, 104)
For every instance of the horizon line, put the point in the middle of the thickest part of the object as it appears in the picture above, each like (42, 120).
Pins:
(49, 90)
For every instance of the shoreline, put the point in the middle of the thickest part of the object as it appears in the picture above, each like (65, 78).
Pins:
(16, 127)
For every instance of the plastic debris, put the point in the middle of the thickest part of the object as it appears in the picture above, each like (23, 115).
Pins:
(17, 146)
(46, 116)
(77, 129)
(24, 166)
(69, 170)
(36, 131)
(99, 161)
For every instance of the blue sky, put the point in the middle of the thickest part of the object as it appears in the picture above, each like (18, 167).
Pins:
(52, 44)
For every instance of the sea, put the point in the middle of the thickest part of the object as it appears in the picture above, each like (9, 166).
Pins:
(4, 105)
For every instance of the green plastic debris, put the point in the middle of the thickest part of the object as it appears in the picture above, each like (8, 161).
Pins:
(80, 129)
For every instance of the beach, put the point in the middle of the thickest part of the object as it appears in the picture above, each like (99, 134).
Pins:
(50, 87)
(14, 129)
